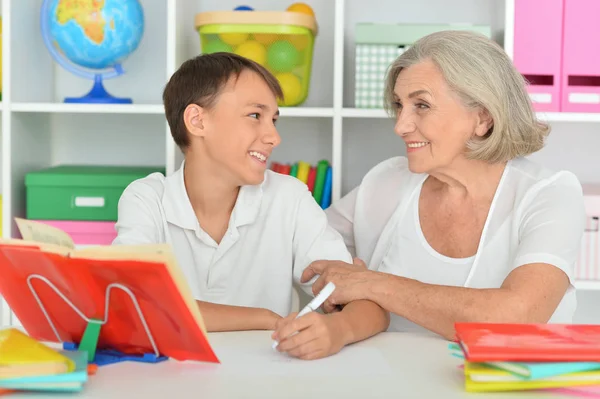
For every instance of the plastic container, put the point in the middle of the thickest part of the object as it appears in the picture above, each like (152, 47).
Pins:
(281, 41)
(378, 46)
(86, 233)
(76, 192)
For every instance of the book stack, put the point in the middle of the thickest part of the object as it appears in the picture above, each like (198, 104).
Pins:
(29, 365)
(318, 178)
(521, 357)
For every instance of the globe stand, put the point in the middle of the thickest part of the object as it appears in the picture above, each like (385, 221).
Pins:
(98, 95)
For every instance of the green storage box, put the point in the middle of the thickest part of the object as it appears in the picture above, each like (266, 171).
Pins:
(378, 45)
(79, 192)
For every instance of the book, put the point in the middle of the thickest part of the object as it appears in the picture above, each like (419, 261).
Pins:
(303, 170)
(70, 381)
(533, 370)
(312, 174)
(56, 289)
(327, 189)
(538, 370)
(320, 180)
(482, 378)
(21, 356)
(489, 342)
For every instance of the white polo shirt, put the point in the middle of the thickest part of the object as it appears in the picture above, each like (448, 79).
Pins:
(275, 231)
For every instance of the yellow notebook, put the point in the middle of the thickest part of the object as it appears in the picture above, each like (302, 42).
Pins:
(22, 356)
(482, 378)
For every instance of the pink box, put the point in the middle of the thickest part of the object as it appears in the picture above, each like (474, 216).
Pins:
(85, 232)
(537, 50)
(581, 56)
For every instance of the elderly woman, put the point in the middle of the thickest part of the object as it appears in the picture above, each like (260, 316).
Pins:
(464, 228)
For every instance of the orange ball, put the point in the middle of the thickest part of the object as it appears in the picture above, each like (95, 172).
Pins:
(302, 8)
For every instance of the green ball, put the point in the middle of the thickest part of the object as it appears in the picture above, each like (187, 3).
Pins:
(217, 46)
(283, 56)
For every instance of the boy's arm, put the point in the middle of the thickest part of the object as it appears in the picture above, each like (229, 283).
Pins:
(322, 335)
(236, 318)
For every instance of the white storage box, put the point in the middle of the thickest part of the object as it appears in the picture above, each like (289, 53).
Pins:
(588, 264)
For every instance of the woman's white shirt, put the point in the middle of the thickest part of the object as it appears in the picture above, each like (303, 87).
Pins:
(536, 216)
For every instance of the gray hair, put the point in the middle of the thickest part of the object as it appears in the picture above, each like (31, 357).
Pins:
(481, 73)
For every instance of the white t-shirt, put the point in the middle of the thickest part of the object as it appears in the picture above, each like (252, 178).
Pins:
(275, 231)
(536, 216)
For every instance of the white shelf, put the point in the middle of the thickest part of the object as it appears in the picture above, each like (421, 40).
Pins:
(587, 285)
(307, 112)
(546, 116)
(88, 108)
(569, 117)
(364, 113)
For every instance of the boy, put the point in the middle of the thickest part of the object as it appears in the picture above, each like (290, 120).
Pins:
(241, 233)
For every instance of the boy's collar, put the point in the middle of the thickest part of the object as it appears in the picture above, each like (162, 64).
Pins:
(179, 210)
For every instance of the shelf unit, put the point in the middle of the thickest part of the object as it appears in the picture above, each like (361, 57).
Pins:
(40, 130)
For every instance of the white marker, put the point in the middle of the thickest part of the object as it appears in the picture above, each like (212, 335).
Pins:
(314, 304)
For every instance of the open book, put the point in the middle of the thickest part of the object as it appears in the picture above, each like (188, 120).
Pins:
(138, 292)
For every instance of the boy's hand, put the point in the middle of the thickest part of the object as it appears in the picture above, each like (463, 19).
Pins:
(271, 320)
(311, 336)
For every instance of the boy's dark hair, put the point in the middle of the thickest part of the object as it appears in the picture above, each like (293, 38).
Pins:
(200, 81)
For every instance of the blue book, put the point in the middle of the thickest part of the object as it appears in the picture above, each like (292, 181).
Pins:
(326, 199)
(537, 370)
(66, 382)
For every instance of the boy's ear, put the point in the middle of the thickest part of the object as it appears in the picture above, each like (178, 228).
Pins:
(193, 117)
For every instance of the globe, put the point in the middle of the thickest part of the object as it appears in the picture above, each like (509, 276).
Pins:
(91, 39)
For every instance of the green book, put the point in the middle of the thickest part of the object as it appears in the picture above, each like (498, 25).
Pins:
(294, 170)
(320, 180)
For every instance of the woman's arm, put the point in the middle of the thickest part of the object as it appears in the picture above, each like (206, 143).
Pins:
(530, 294)
(236, 318)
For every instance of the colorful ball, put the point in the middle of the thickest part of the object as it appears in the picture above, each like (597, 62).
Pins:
(234, 39)
(282, 56)
(253, 50)
(265, 38)
(291, 87)
(301, 8)
(299, 41)
(216, 46)
(243, 8)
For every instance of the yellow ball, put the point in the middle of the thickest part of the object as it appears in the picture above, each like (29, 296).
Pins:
(253, 50)
(299, 41)
(301, 8)
(265, 38)
(291, 87)
(233, 39)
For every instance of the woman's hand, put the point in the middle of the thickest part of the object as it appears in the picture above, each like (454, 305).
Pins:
(312, 336)
(351, 281)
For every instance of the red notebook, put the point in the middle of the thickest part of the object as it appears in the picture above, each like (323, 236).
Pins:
(83, 276)
(485, 342)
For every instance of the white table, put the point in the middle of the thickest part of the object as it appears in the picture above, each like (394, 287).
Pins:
(389, 365)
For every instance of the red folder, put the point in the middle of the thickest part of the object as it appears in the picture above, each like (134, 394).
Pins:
(35, 275)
